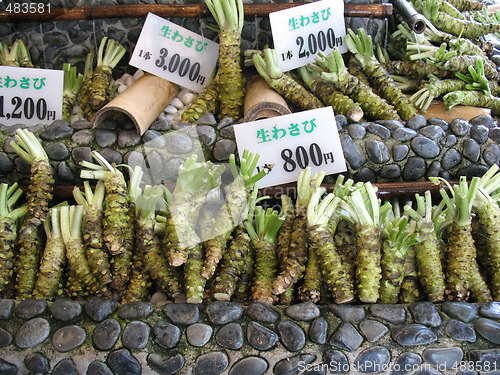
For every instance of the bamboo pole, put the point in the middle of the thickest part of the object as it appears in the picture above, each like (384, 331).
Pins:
(383, 10)
(261, 101)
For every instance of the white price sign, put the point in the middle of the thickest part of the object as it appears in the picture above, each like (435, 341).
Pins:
(174, 53)
(30, 96)
(293, 142)
(299, 33)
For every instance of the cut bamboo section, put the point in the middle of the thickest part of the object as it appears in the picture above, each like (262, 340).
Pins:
(261, 101)
(142, 102)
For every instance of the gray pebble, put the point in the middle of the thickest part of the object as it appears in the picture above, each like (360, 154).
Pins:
(22, 166)
(489, 329)
(81, 124)
(391, 313)
(463, 311)
(6, 165)
(64, 172)
(206, 134)
(65, 367)
(318, 330)
(472, 171)
(136, 335)
(226, 121)
(5, 338)
(491, 154)
(460, 126)
(425, 147)
(414, 169)
(212, 363)
(135, 310)
(249, 366)
(83, 137)
(105, 138)
(128, 138)
(425, 313)
(182, 313)
(6, 308)
(365, 174)
(29, 308)
(32, 333)
(337, 361)
(413, 335)
(391, 124)
(399, 152)
(458, 330)
(108, 123)
(57, 151)
(416, 122)
(449, 141)
(106, 334)
(346, 337)
(488, 359)
(223, 148)
(179, 143)
(68, 338)
(471, 150)
(406, 364)
(262, 313)
(356, 131)
(122, 362)
(348, 313)
(207, 119)
(160, 125)
(98, 368)
(404, 134)
(166, 334)
(291, 335)
(260, 337)
(377, 151)
(443, 124)
(230, 336)
(443, 358)
(56, 38)
(490, 310)
(434, 132)
(100, 308)
(373, 360)
(390, 171)
(379, 130)
(198, 334)
(59, 129)
(7, 368)
(80, 154)
(227, 132)
(485, 120)
(37, 363)
(153, 139)
(352, 154)
(112, 156)
(303, 311)
(222, 312)
(166, 365)
(480, 133)
(292, 365)
(451, 158)
(372, 330)
(494, 135)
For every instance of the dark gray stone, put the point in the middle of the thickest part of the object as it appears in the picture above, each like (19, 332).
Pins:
(128, 138)
(390, 171)
(391, 124)
(68, 338)
(443, 358)
(414, 169)
(463, 311)
(458, 330)
(434, 132)
(480, 133)
(427, 371)
(472, 170)
(491, 154)
(413, 335)
(37, 363)
(373, 360)
(198, 334)
(303, 311)
(227, 132)
(249, 366)
(293, 365)
(56, 38)
(356, 131)
(112, 156)
(262, 313)
(29, 308)
(425, 313)
(365, 174)
(425, 147)
(207, 134)
(489, 329)
(346, 337)
(212, 363)
(136, 335)
(100, 308)
(490, 310)
(471, 150)
(65, 367)
(166, 365)
(223, 148)
(57, 151)
(399, 152)
(182, 313)
(495, 134)
(179, 143)
(59, 129)
(291, 335)
(260, 337)
(106, 333)
(352, 154)
(341, 121)
(348, 313)
(6, 308)
(318, 330)
(80, 154)
(105, 138)
(135, 310)
(372, 330)
(337, 361)
(391, 313)
(230, 336)
(65, 309)
(64, 172)
(379, 130)
(207, 119)
(7, 368)
(484, 120)
(122, 362)
(98, 368)
(32, 333)
(486, 360)
(222, 312)
(160, 125)
(5, 338)
(406, 364)
(83, 137)
(167, 335)
(22, 166)
(154, 139)
(450, 140)
(226, 121)
(81, 124)
(377, 151)
(460, 126)
(451, 158)
(416, 122)
(6, 165)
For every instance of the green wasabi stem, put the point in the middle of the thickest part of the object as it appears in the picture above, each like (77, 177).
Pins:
(361, 46)
(92, 229)
(244, 285)
(434, 88)
(107, 59)
(71, 87)
(71, 218)
(39, 194)
(335, 275)
(205, 102)
(476, 80)
(472, 98)
(24, 56)
(405, 84)
(53, 259)
(267, 66)
(9, 219)
(310, 290)
(427, 251)
(466, 5)
(462, 271)
(84, 94)
(229, 15)
(262, 227)
(363, 209)
(9, 56)
(336, 72)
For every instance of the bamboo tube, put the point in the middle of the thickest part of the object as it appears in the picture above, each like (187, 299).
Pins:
(142, 102)
(261, 101)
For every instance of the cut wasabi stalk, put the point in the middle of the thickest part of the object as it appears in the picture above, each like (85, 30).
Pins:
(9, 56)
(24, 55)
(9, 219)
(244, 285)
(71, 87)
(310, 291)
(283, 244)
(39, 195)
(206, 102)
(84, 94)
(410, 291)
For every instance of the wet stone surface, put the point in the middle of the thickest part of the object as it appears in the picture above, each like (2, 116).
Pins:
(166, 365)
(7, 368)
(337, 361)
(106, 333)
(372, 330)
(122, 362)
(490, 310)
(391, 313)
(65, 309)
(135, 310)
(221, 312)
(413, 335)
(303, 311)
(293, 364)
(489, 329)
(291, 335)
(99, 368)
(211, 364)
(32, 333)
(318, 330)
(406, 363)
(425, 313)
(443, 358)
(5, 338)
(198, 334)
(348, 313)
(30, 308)
(458, 330)
(346, 337)
(166, 335)
(37, 363)
(65, 367)
(260, 337)
(182, 313)
(249, 366)
(262, 313)
(373, 360)
(230, 336)
(99, 308)
(136, 335)
(68, 338)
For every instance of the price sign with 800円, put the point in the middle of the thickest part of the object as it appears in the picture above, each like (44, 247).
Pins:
(174, 53)
(293, 142)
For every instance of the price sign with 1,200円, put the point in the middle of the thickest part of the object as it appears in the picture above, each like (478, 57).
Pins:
(301, 32)
(293, 142)
(174, 53)
(30, 96)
